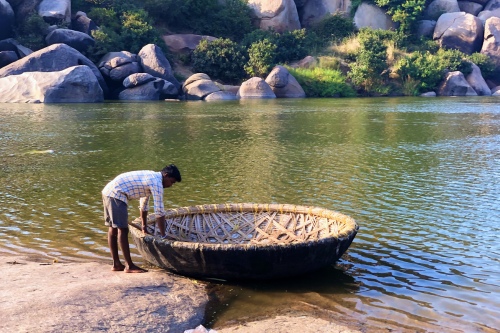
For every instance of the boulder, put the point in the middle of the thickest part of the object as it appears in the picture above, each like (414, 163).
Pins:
(283, 84)
(278, 15)
(425, 28)
(477, 82)
(184, 43)
(80, 22)
(491, 4)
(371, 16)
(255, 88)
(491, 43)
(55, 11)
(138, 79)
(313, 11)
(53, 58)
(307, 62)
(439, 7)
(429, 94)
(455, 84)
(80, 41)
(486, 14)
(76, 84)
(154, 62)
(198, 86)
(470, 7)
(221, 96)
(149, 91)
(7, 57)
(11, 44)
(6, 19)
(459, 31)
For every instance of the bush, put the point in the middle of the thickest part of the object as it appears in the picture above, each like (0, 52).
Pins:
(320, 82)
(31, 33)
(221, 59)
(484, 63)
(262, 58)
(333, 28)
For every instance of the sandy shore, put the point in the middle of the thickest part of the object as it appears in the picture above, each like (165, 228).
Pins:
(43, 296)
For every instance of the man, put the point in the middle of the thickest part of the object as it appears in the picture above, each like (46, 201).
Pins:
(134, 185)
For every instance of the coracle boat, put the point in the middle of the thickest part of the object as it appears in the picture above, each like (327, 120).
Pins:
(246, 240)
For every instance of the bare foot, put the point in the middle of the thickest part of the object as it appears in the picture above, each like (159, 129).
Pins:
(118, 268)
(135, 269)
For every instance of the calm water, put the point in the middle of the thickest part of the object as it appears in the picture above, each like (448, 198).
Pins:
(421, 177)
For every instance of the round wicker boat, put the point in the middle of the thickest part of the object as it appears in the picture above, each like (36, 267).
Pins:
(246, 240)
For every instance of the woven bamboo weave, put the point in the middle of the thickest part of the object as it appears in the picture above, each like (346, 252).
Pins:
(249, 223)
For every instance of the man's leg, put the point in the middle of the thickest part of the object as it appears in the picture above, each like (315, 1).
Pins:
(124, 245)
(113, 247)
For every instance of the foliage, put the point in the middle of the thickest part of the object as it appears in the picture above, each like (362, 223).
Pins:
(404, 12)
(333, 28)
(484, 63)
(222, 59)
(31, 33)
(428, 69)
(321, 82)
(370, 70)
(262, 58)
(231, 19)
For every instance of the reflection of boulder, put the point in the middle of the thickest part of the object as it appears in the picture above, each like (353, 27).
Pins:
(52, 58)
(76, 84)
(283, 84)
(455, 84)
(154, 62)
(78, 40)
(460, 31)
(198, 86)
(255, 88)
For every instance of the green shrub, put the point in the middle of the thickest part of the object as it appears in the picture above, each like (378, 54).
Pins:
(261, 58)
(31, 33)
(404, 12)
(319, 82)
(221, 59)
(333, 28)
(484, 63)
(136, 31)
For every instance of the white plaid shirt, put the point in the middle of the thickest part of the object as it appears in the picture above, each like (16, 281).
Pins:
(138, 185)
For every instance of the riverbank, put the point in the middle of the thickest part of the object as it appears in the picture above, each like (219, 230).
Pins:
(44, 296)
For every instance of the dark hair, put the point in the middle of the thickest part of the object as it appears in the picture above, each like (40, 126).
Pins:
(172, 171)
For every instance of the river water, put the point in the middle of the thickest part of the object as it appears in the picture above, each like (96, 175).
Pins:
(420, 176)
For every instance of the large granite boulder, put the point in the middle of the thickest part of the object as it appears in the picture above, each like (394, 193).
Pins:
(313, 11)
(80, 41)
(52, 58)
(198, 86)
(459, 31)
(167, 91)
(55, 11)
(6, 19)
(149, 91)
(154, 62)
(425, 28)
(491, 43)
(278, 15)
(370, 16)
(7, 57)
(25, 9)
(283, 84)
(255, 88)
(439, 7)
(184, 43)
(116, 66)
(11, 44)
(470, 7)
(477, 82)
(76, 84)
(81, 22)
(455, 84)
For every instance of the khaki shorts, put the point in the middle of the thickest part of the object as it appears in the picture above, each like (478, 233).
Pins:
(115, 212)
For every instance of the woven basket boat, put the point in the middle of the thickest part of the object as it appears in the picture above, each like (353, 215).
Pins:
(246, 240)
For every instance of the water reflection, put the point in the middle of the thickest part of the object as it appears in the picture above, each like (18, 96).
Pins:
(420, 176)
